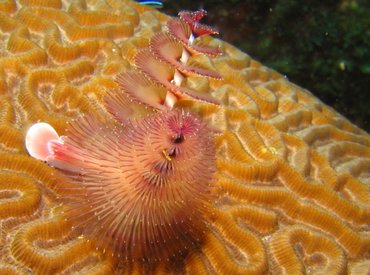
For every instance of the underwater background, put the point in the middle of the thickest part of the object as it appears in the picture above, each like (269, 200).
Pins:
(323, 46)
(290, 186)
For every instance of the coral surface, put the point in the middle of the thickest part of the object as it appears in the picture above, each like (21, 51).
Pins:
(292, 180)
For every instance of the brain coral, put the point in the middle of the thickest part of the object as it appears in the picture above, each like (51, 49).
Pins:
(292, 179)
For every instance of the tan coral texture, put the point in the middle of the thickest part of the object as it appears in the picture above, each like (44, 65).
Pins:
(292, 181)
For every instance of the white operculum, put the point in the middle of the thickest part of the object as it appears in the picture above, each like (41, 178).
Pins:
(37, 140)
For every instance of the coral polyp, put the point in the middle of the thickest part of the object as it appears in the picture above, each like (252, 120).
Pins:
(143, 189)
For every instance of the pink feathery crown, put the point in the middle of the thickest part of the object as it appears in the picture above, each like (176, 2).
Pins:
(148, 182)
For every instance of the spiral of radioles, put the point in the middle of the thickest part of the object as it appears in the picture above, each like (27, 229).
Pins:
(141, 183)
